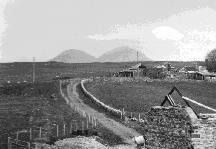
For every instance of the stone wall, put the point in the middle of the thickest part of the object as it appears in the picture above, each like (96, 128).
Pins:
(167, 128)
(178, 128)
(171, 127)
(204, 132)
(97, 101)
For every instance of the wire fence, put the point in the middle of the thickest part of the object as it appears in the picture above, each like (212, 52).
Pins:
(25, 138)
(29, 138)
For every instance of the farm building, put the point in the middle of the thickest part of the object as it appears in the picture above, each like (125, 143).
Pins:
(170, 67)
(154, 73)
(186, 72)
(139, 66)
(126, 73)
(201, 76)
(202, 69)
(160, 67)
(140, 70)
(133, 71)
(137, 69)
(187, 69)
(165, 67)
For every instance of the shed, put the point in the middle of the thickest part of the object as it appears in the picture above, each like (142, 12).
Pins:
(187, 69)
(201, 75)
(154, 73)
(126, 73)
(137, 66)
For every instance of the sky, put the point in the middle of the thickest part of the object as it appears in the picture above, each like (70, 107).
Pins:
(162, 29)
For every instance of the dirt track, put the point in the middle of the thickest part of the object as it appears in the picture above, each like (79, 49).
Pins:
(117, 128)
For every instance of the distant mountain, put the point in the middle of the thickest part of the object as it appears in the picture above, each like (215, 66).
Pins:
(122, 54)
(74, 56)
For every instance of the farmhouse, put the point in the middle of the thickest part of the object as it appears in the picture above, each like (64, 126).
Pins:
(133, 71)
(139, 66)
(186, 72)
(154, 73)
(204, 76)
(197, 75)
(187, 69)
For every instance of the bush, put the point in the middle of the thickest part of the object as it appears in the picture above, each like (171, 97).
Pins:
(211, 61)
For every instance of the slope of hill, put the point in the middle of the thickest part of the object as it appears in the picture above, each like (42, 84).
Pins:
(74, 56)
(122, 54)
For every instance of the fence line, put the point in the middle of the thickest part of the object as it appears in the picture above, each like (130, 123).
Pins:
(74, 127)
(131, 115)
(18, 143)
(59, 130)
(199, 104)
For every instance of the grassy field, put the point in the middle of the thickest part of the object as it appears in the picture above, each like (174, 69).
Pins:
(46, 71)
(140, 96)
(33, 105)
(26, 105)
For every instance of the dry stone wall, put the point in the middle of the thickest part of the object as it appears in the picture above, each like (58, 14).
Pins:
(96, 101)
(167, 128)
(178, 128)
(204, 132)
(172, 127)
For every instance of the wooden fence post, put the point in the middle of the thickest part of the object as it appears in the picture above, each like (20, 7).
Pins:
(84, 114)
(57, 130)
(29, 145)
(17, 135)
(75, 108)
(40, 132)
(64, 130)
(87, 124)
(121, 115)
(89, 118)
(83, 127)
(71, 127)
(30, 134)
(95, 123)
(76, 126)
(92, 122)
(9, 143)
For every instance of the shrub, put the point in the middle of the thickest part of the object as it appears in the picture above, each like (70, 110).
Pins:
(211, 61)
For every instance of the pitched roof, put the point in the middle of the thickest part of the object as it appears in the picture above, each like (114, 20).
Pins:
(139, 65)
(160, 66)
(189, 68)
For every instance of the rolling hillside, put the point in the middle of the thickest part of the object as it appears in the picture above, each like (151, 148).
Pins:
(122, 54)
(74, 56)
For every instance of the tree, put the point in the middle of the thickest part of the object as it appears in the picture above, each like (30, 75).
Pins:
(211, 61)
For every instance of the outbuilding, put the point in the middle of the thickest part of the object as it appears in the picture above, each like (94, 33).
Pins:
(126, 73)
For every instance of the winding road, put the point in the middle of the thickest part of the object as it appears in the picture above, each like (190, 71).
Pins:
(117, 128)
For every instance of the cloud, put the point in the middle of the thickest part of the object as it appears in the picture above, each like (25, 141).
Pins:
(3, 23)
(186, 36)
(123, 32)
(196, 44)
(138, 32)
(167, 33)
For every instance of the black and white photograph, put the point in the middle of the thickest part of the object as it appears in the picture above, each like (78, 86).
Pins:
(107, 74)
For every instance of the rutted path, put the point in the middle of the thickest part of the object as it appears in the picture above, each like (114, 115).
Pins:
(117, 128)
